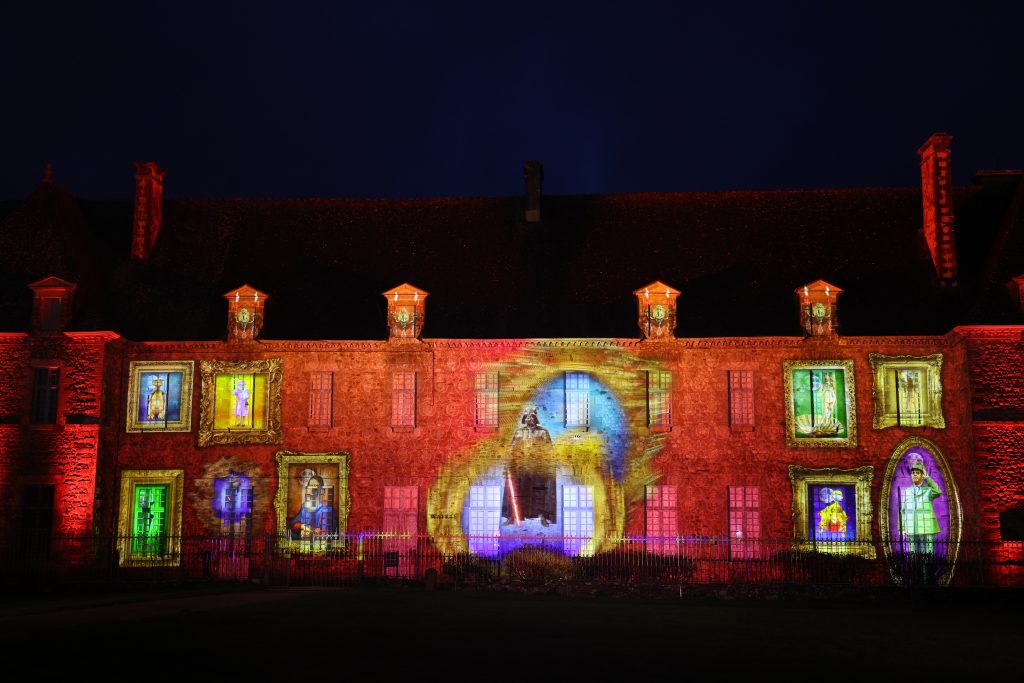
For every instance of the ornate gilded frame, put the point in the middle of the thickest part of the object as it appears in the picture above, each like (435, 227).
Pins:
(136, 368)
(803, 477)
(286, 459)
(273, 368)
(174, 479)
(849, 395)
(956, 521)
(932, 370)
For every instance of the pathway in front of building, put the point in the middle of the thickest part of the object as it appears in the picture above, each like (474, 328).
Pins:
(330, 633)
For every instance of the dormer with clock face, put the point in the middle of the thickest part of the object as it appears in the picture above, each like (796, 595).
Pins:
(406, 312)
(819, 311)
(656, 304)
(245, 313)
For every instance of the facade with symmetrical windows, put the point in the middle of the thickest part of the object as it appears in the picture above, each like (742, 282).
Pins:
(751, 413)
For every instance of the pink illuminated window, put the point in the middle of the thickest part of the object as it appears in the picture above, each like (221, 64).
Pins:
(403, 399)
(321, 393)
(744, 522)
(401, 509)
(741, 399)
(662, 519)
(486, 399)
(578, 519)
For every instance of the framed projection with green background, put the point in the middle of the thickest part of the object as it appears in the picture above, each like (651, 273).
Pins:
(149, 523)
(821, 408)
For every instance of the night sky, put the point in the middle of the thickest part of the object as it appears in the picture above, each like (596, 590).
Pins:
(422, 99)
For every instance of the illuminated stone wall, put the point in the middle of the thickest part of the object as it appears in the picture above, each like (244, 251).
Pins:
(996, 366)
(445, 452)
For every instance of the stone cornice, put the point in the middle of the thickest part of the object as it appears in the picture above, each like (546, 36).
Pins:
(1001, 332)
(221, 348)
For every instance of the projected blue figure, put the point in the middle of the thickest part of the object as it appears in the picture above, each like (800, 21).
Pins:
(316, 516)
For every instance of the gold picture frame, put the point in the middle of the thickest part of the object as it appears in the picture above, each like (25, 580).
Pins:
(289, 501)
(821, 404)
(907, 391)
(160, 396)
(138, 543)
(254, 388)
(859, 479)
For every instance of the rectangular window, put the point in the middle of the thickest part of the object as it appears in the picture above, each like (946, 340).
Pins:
(403, 399)
(44, 396)
(484, 519)
(486, 399)
(659, 398)
(401, 508)
(662, 520)
(578, 519)
(321, 398)
(907, 391)
(37, 517)
(577, 399)
(741, 399)
(744, 522)
(51, 313)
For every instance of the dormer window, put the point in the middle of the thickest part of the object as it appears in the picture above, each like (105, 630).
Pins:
(819, 314)
(656, 309)
(51, 304)
(407, 308)
(245, 313)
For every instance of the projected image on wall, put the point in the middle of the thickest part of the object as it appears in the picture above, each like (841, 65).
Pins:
(554, 474)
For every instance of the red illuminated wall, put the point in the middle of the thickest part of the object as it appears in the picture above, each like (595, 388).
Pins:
(701, 455)
(996, 365)
(64, 454)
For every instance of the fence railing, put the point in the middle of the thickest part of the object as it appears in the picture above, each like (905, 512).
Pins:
(330, 560)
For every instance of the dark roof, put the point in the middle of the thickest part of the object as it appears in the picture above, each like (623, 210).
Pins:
(735, 256)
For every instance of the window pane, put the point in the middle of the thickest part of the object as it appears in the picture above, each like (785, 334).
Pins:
(741, 398)
(487, 399)
(577, 399)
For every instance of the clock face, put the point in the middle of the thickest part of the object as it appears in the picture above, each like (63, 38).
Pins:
(659, 313)
(819, 310)
(243, 316)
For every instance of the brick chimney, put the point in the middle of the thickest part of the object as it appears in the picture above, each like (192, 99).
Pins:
(149, 194)
(533, 173)
(937, 200)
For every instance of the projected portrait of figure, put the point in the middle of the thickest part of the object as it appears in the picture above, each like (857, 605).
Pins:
(241, 394)
(832, 518)
(156, 402)
(159, 396)
(918, 522)
(530, 474)
(316, 515)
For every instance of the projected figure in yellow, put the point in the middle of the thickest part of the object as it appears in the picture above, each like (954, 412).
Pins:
(530, 475)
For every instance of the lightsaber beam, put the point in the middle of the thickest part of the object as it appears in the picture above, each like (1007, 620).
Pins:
(512, 495)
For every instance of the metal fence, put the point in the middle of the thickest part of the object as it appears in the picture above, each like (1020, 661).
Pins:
(333, 560)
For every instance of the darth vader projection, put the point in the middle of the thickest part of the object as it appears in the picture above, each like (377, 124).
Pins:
(530, 475)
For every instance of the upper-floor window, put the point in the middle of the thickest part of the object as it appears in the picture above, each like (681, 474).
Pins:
(659, 398)
(741, 399)
(486, 399)
(403, 399)
(577, 399)
(907, 391)
(45, 390)
(321, 393)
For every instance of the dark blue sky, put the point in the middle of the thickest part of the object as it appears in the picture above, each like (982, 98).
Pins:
(416, 99)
